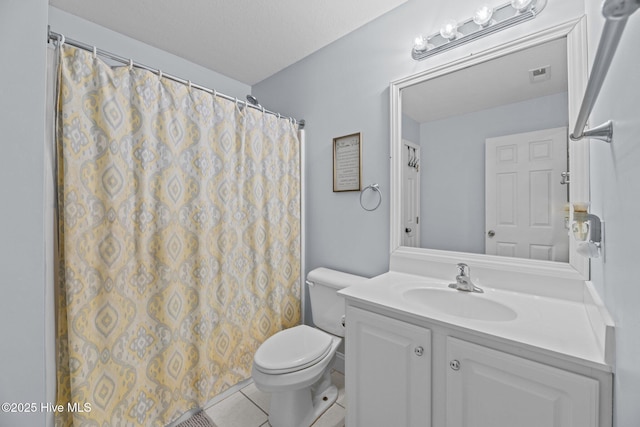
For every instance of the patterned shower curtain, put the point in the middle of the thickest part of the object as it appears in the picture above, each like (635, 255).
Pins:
(179, 238)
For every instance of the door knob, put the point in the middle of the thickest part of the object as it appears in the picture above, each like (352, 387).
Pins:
(407, 230)
(455, 365)
(419, 350)
(491, 233)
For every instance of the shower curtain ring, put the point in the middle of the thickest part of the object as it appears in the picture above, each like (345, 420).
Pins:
(159, 74)
(189, 84)
(61, 40)
(239, 105)
(95, 53)
(130, 64)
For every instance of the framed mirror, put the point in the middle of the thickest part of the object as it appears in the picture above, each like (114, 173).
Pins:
(482, 167)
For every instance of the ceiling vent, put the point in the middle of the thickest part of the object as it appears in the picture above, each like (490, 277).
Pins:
(540, 74)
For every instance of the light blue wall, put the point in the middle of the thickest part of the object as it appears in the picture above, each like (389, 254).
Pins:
(452, 167)
(344, 88)
(615, 197)
(23, 29)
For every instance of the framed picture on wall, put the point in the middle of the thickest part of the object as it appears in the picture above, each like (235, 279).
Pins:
(347, 163)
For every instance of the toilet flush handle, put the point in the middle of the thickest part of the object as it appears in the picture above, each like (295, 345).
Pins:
(309, 283)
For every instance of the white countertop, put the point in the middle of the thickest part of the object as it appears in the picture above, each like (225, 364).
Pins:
(562, 328)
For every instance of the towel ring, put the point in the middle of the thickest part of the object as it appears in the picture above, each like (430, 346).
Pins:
(374, 187)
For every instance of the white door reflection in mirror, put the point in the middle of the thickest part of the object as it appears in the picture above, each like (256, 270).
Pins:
(524, 199)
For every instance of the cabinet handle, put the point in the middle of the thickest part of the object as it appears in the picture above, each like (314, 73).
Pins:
(419, 351)
(454, 364)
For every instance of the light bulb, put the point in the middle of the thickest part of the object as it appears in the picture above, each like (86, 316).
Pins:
(520, 5)
(420, 44)
(449, 30)
(482, 15)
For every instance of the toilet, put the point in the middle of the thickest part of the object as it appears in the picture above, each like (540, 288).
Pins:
(294, 365)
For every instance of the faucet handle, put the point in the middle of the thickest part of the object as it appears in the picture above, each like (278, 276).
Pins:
(463, 269)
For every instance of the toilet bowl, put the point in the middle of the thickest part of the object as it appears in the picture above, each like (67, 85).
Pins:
(301, 392)
(294, 365)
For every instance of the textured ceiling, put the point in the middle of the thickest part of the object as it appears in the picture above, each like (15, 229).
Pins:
(247, 40)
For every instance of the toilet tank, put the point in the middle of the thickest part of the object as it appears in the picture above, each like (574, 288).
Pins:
(327, 307)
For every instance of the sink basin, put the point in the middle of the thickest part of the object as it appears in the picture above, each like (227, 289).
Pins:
(462, 304)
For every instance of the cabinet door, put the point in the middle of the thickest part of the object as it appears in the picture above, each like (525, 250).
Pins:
(488, 388)
(388, 371)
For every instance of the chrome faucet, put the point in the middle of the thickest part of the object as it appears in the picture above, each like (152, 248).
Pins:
(463, 280)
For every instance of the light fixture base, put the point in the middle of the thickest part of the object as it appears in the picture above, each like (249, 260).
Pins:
(504, 16)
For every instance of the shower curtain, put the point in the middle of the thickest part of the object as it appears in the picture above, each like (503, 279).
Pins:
(179, 242)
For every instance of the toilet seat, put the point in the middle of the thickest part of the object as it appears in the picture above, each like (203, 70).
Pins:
(292, 349)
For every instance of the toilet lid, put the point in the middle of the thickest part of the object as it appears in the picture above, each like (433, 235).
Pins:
(292, 350)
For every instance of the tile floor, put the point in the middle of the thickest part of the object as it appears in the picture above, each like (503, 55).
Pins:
(249, 408)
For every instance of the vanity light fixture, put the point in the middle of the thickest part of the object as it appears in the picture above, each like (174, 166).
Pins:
(486, 20)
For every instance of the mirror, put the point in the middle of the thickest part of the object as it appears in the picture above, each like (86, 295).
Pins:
(480, 152)
(488, 144)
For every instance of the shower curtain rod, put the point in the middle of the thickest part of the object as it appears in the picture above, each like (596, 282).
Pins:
(60, 38)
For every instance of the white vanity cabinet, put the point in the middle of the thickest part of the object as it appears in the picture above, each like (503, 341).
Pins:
(406, 371)
(388, 366)
(489, 388)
